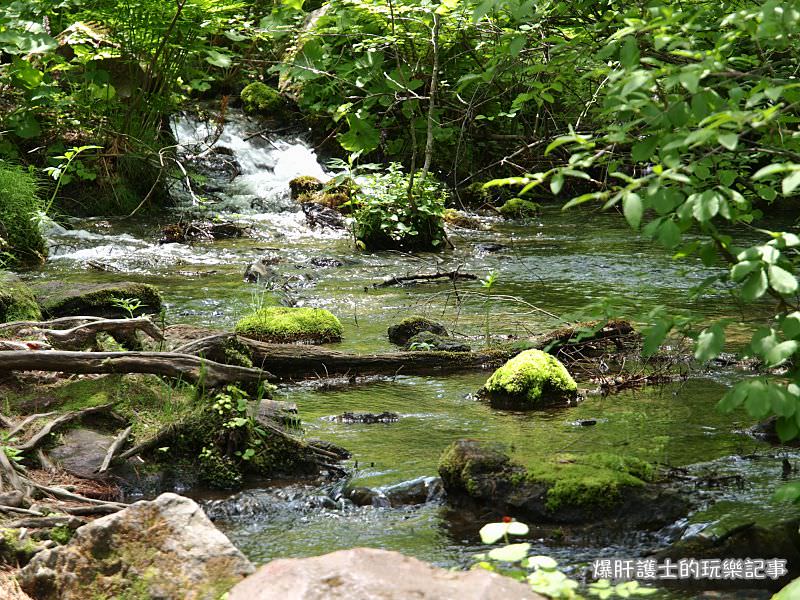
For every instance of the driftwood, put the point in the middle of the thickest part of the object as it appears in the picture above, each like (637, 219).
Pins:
(14, 326)
(20, 511)
(400, 280)
(115, 446)
(25, 422)
(289, 361)
(169, 364)
(85, 335)
(162, 435)
(51, 426)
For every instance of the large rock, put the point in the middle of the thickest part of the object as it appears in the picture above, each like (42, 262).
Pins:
(530, 380)
(81, 451)
(375, 575)
(566, 488)
(17, 302)
(403, 331)
(166, 549)
(63, 299)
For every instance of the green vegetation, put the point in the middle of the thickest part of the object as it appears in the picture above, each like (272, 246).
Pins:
(399, 210)
(291, 325)
(400, 333)
(517, 208)
(17, 302)
(21, 241)
(531, 379)
(116, 300)
(259, 98)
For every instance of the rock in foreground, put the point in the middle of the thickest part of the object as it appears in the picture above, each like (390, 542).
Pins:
(166, 549)
(373, 574)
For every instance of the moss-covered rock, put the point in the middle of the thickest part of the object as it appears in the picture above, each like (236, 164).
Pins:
(305, 184)
(21, 241)
(530, 380)
(291, 325)
(16, 548)
(107, 300)
(565, 488)
(517, 208)
(456, 218)
(17, 302)
(258, 97)
(425, 340)
(403, 331)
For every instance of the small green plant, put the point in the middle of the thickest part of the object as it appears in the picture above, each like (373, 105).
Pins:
(488, 285)
(541, 572)
(61, 171)
(399, 210)
(129, 305)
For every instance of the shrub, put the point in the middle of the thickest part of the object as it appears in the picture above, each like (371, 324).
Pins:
(388, 217)
(19, 205)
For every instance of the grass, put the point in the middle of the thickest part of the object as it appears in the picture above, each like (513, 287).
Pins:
(21, 242)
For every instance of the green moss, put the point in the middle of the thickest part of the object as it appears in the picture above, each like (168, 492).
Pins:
(517, 208)
(258, 97)
(303, 185)
(17, 302)
(402, 332)
(59, 299)
(61, 535)
(589, 481)
(529, 378)
(460, 219)
(22, 241)
(288, 325)
(14, 551)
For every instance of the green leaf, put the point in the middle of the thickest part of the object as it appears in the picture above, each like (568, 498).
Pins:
(542, 562)
(510, 553)
(728, 140)
(781, 353)
(755, 286)
(790, 183)
(791, 325)
(669, 234)
(294, 4)
(654, 336)
(632, 208)
(218, 59)
(787, 429)
(643, 150)
(788, 493)
(516, 45)
(491, 532)
(781, 280)
(710, 343)
(629, 53)
(740, 270)
(556, 183)
(733, 398)
(361, 137)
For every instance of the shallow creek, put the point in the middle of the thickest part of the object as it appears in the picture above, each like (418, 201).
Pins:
(560, 263)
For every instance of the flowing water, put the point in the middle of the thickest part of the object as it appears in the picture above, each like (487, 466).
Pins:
(549, 269)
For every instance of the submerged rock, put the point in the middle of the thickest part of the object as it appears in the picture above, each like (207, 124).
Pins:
(740, 541)
(166, 548)
(322, 216)
(17, 302)
(368, 418)
(530, 380)
(425, 340)
(201, 231)
(374, 574)
(416, 491)
(566, 488)
(456, 218)
(403, 331)
(81, 451)
(65, 299)
(291, 325)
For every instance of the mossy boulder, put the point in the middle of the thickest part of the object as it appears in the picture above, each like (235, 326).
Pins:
(425, 340)
(17, 302)
(62, 299)
(21, 241)
(564, 488)
(403, 331)
(456, 218)
(530, 380)
(16, 548)
(259, 98)
(305, 184)
(517, 208)
(291, 325)
(166, 548)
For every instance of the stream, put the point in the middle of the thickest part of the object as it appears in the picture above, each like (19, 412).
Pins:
(550, 268)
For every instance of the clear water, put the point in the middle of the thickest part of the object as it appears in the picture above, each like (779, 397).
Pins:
(549, 270)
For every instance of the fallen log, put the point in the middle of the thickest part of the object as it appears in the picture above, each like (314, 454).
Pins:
(115, 446)
(13, 326)
(51, 426)
(400, 280)
(84, 335)
(289, 361)
(169, 364)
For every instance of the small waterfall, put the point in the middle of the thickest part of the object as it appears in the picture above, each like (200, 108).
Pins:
(247, 170)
